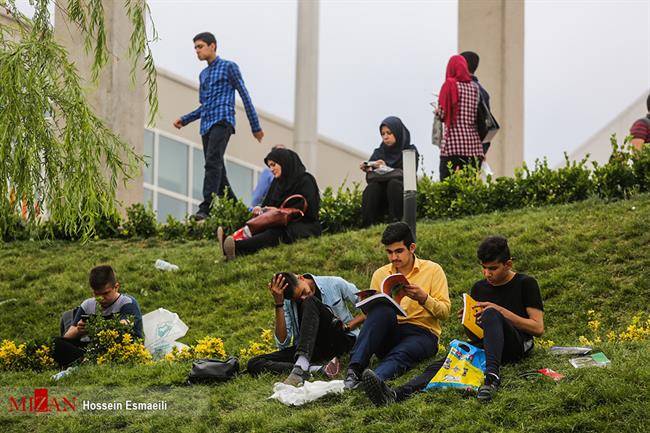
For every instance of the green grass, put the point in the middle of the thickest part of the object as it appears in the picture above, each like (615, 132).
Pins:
(590, 255)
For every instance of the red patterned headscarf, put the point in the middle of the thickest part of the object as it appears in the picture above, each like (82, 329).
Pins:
(457, 71)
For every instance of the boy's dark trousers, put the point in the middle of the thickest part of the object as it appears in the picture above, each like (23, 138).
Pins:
(215, 180)
(321, 338)
(66, 352)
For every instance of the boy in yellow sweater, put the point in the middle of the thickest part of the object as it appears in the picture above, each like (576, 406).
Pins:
(402, 342)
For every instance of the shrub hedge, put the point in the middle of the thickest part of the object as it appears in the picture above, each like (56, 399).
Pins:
(464, 193)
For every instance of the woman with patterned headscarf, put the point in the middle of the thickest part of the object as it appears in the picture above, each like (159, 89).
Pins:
(384, 193)
(458, 103)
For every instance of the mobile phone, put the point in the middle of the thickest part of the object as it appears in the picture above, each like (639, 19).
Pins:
(85, 317)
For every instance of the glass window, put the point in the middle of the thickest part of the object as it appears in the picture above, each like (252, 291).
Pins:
(172, 165)
(241, 181)
(147, 199)
(199, 170)
(170, 206)
(148, 156)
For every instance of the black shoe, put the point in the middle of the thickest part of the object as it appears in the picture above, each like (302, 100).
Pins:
(376, 389)
(489, 388)
(352, 380)
(199, 216)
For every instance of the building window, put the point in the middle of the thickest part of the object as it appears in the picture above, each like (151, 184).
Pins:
(241, 180)
(173, 175)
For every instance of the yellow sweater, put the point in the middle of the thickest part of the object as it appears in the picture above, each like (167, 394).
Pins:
(431, 278)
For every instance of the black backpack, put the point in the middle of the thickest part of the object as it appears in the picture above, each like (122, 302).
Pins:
(213, 370)
(66, 320)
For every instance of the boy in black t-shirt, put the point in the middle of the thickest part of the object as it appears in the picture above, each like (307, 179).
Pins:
(511, 313)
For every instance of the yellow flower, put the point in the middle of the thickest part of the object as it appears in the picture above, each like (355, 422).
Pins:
(584, 341)
(594, 325)
(545, 344)
(11, 355)
(210, 347)
(44, 359)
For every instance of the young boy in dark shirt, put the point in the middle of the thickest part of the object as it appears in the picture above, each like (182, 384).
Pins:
(511, 314)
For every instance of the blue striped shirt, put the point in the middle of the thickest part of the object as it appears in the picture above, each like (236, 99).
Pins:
(218, 82)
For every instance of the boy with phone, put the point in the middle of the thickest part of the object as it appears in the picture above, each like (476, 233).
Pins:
(106, 299)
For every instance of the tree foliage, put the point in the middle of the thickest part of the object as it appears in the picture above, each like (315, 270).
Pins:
(56, 155)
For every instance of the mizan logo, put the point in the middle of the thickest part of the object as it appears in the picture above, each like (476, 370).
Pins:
(41, 402)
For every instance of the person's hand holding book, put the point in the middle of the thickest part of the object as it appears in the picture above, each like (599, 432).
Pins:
(481, 307)
(416, 293)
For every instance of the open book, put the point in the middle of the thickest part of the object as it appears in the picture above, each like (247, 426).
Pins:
(392, 292)
(469, 319)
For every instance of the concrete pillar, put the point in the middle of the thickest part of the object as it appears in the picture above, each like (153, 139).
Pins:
(115, 99)
(495, 30)
(306, 96)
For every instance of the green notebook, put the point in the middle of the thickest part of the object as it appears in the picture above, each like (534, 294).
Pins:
(596, 360)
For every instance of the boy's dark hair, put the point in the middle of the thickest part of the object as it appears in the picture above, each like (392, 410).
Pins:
(396, 232)
(472, 60)
(647, 103)
(206, 37)
(292, 283)
(494, 249)
(101, 276)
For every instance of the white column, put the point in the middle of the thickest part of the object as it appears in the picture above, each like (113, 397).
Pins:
(305, 137)
(494, 29)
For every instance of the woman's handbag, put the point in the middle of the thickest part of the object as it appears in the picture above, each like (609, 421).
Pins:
(486, 123)
(373, 176)
(280, 217)
(438, 131)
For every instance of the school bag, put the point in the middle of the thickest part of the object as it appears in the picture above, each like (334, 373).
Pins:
(213, 370)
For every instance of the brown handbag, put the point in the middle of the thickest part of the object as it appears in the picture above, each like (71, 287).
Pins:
(280, 217)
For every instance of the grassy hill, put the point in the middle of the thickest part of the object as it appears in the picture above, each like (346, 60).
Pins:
(586, 256)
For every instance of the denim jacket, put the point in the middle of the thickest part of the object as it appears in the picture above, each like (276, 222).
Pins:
(334, 292)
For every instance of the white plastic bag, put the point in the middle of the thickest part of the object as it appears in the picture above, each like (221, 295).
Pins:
(310, 391)
(486, 171)
(161, 330)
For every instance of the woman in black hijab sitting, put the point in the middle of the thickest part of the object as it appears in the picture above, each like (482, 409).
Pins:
(289, 178)
(385, 192)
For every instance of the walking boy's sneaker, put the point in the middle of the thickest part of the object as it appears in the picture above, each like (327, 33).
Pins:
(376, 389)
(199, 216)
(489, 388)
(352, 380)
(297, 377)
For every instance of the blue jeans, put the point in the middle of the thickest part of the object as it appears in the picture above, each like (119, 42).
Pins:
(399, 346)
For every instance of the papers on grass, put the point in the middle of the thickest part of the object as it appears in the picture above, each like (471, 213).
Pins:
(596, 360)
(570, 350)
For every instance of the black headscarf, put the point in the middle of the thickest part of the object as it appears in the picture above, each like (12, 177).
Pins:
(392, 155)
(292, 171)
